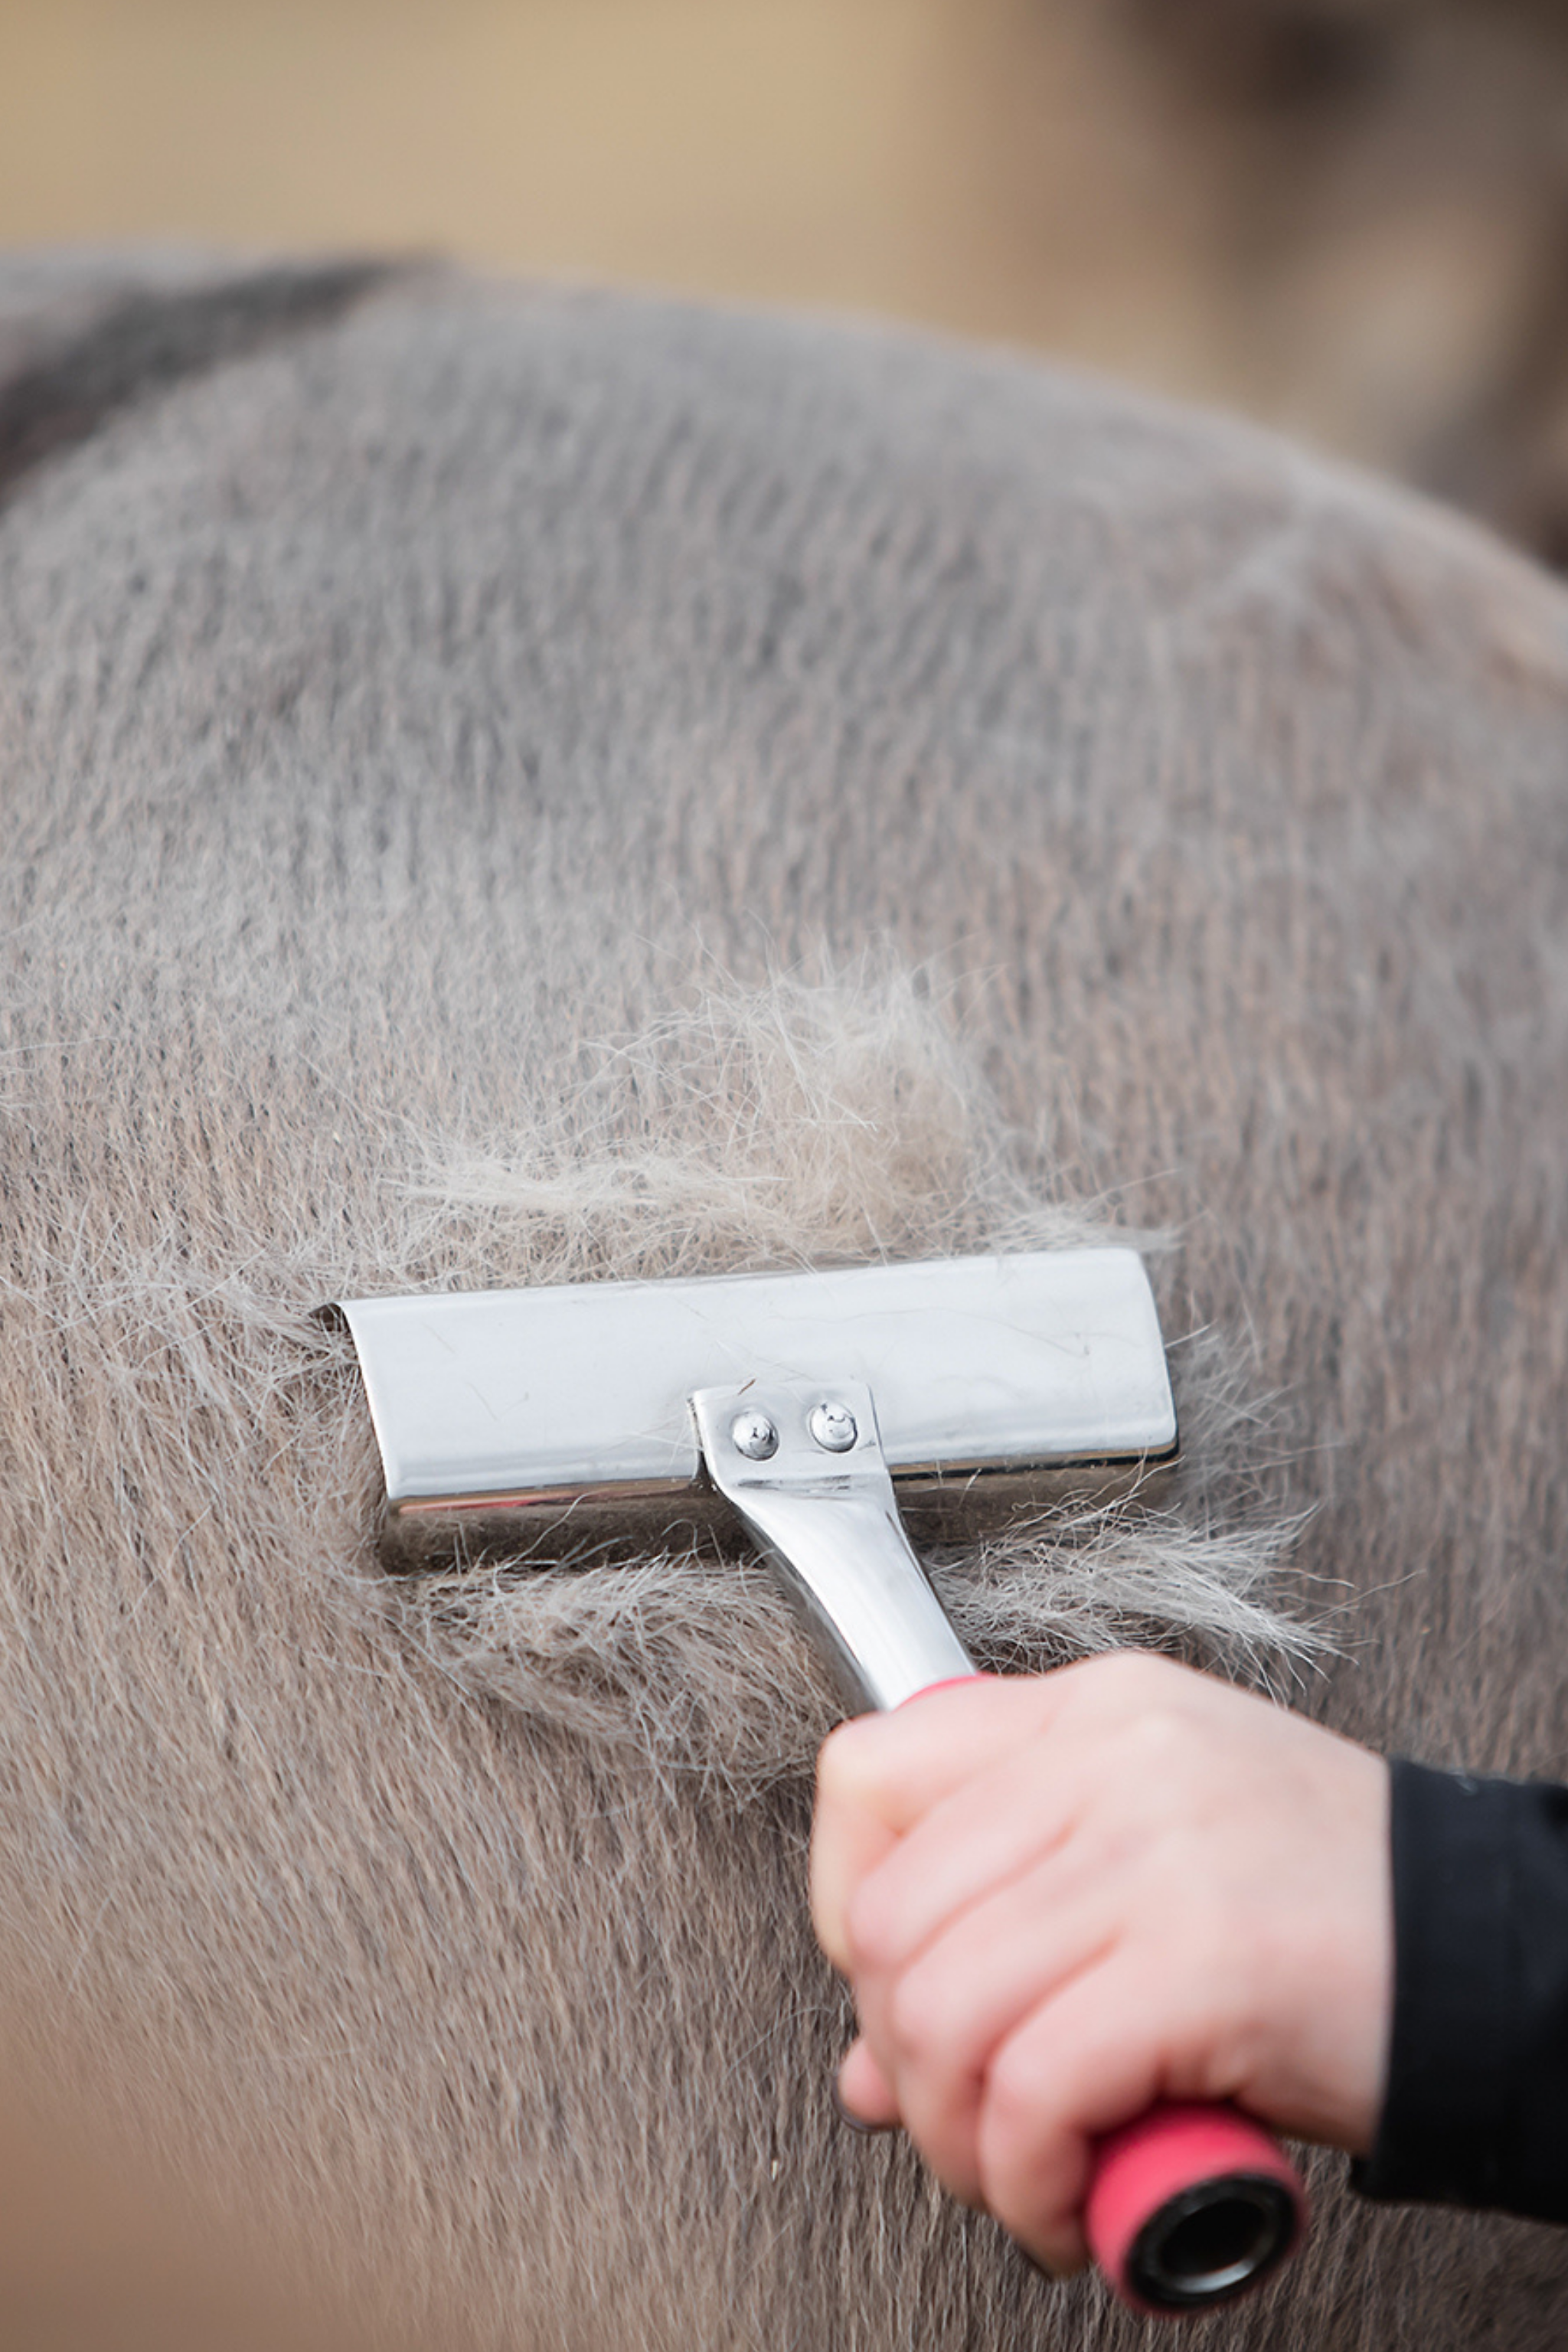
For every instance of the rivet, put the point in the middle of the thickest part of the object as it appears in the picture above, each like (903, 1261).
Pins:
(753, 1434)
(833, 1426)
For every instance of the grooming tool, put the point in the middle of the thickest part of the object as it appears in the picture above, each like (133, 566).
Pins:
(823, 1411)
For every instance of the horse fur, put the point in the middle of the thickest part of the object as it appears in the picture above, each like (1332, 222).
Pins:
(512, 785)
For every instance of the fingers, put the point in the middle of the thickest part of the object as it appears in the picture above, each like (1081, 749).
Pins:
(879, 1775)
(1069, 2073)
(1031, 2112)
(865, 2093)
(960, 1775)
(848, 1846)
(897, 1766)
(971, 1845)
(936, 2026)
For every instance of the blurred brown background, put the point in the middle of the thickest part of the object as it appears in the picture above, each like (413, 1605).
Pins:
(1347, 217)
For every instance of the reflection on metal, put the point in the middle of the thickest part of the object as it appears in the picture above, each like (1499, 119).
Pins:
(999, 1382)
(824, 1512)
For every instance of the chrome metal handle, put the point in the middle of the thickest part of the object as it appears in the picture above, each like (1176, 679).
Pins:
(1188, 2206)
(802, 1464)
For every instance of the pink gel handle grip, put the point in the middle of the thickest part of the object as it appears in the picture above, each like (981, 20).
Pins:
(1190, 2205)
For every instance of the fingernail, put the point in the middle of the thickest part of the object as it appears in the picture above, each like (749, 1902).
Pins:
(852, 2122)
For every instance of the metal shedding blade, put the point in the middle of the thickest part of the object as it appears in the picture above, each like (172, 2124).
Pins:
(998, 1382)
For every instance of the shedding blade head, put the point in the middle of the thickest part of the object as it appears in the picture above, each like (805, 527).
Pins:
(999, 1382)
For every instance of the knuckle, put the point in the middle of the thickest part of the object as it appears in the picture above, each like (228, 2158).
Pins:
(1160, 1736)
(920, 2019)
(1165, 1750)
(1018, 2096)
(869, 1931)
(1131, 1673)
(1124, 1688)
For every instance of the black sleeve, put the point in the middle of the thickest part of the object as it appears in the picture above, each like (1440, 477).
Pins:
(1477, 2106)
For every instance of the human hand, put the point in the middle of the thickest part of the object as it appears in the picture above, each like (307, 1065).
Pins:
(1059, 1898)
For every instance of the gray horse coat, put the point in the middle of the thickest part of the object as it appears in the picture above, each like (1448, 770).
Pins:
(504, 784)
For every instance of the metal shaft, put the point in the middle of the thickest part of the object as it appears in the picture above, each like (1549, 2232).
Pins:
(802, 1464)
